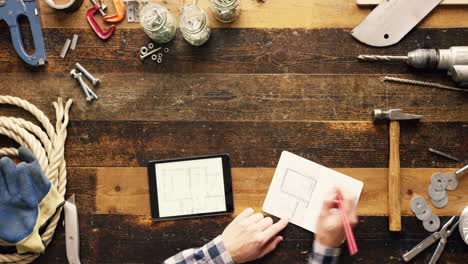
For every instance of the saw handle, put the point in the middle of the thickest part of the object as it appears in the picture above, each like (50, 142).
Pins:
(39, 56)
(394, 205)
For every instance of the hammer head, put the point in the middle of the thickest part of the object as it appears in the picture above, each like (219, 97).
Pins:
(393, 114)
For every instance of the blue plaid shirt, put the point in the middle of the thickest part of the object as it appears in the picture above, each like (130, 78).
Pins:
(214, 252)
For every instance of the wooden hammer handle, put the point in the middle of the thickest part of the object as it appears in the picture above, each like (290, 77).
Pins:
(394, 206)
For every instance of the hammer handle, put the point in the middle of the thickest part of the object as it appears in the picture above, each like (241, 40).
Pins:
(394, 206)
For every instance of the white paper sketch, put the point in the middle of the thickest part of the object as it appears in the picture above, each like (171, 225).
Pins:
(190, 187)
(298, 189)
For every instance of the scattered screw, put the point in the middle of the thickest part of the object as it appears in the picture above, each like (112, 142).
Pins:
(149, 53)
(94, 80)
(84, 87)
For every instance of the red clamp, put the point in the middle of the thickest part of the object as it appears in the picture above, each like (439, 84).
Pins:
(95, 26)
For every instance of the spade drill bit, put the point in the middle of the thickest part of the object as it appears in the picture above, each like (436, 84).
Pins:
(427, 58)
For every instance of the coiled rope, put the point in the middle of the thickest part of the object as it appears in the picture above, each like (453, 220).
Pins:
(48, 147)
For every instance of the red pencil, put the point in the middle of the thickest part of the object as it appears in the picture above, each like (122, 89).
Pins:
(350, 240)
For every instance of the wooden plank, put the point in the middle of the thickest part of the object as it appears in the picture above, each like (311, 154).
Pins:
(135, 239)
(243, 97)
(117, 238)
(230, 51)
(259, 144)
(125, 190)
(268, 14)
(445, 2)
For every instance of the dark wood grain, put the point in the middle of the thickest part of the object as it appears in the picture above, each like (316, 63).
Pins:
(134, 239)
(220, 97)
(317, 51)
(259, 144)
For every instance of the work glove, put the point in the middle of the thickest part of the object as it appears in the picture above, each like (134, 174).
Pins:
(27, 201)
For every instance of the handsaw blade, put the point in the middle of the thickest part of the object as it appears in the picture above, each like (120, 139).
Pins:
(391, 20)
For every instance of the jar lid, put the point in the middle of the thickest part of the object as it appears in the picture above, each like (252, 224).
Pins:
(153, 16)
(193, 19)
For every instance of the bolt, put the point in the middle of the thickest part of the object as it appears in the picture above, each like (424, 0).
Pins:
(95, 81)
(102, 6)
(84, 87)
(149, 53)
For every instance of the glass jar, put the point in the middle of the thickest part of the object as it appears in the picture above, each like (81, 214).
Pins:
(157, 22)
(225, 11)
(194, 25)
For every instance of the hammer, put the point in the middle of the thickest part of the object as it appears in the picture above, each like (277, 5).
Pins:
(394, 206)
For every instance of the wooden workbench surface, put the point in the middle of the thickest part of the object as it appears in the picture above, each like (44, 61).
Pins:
(282, 77)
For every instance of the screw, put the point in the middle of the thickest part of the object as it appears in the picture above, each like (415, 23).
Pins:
(84, 87)
(101, 8)
(95, 81)
(149, 53)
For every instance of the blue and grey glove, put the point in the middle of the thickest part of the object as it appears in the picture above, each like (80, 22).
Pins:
(27, 201)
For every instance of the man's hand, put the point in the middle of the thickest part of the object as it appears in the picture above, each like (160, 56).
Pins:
(251, 236)
(330, 231)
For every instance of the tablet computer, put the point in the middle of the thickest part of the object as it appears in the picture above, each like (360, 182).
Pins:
(190, 187)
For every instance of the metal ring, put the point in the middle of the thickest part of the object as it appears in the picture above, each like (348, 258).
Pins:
(159, 60)
(166, 50)
(151, 45)
(143, 50)
(154, 57)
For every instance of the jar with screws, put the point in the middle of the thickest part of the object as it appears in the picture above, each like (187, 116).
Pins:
(225, 11)
(157, 22)
(194, 25)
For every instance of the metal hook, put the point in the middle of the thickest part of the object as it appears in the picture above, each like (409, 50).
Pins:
(120, 12)
(95, 26)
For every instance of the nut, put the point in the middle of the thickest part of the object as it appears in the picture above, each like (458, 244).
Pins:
(143, 50)
(151, 46)
(166, 50)
(154, 57)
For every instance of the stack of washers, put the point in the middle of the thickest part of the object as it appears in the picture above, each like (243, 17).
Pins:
(441, 182)
(423, 211)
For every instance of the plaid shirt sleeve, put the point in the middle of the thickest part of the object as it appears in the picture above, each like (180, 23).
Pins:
(323, 255)
(213, 252)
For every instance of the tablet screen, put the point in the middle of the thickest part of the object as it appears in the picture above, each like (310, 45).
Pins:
(190, 187)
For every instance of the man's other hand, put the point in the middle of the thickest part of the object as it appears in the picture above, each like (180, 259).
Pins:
(330, 230)
(251, 236)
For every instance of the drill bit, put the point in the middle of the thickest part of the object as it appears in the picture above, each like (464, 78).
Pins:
(421, 83)
(382, 58)
(444, 154)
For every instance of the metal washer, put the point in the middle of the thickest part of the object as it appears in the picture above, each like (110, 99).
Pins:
(432, 224)
(425, 215)
(436, 195)
(452, 180)
(418, 205)
(439, 182)
(442, 203)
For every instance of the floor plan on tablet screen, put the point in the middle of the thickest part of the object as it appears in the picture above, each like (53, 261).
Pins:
(190, 187)
(299, 186)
